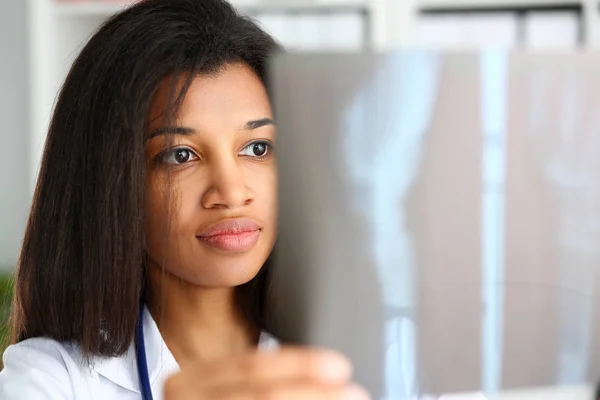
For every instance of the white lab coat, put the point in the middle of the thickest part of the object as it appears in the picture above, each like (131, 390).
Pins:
(44, 369)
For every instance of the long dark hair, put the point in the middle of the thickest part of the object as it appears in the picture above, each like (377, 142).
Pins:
(81, 269)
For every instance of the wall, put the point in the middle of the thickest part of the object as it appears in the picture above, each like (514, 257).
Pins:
(14, 131)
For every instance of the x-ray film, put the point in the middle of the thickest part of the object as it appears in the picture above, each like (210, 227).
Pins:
(440, 217)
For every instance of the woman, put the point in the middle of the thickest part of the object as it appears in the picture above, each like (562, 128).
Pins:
(144, 265)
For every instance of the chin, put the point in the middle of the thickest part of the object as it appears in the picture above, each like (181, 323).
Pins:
(224, 274)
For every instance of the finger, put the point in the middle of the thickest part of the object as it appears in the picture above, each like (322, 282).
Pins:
(262, 369)
(293, 392)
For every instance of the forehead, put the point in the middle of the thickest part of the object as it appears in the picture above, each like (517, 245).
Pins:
(232, 95)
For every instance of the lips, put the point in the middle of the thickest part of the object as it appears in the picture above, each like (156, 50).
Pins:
(233, 235)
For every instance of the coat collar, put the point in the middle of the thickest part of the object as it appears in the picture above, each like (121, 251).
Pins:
(123, 370)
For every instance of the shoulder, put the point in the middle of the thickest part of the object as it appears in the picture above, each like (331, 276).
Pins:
(39, 368)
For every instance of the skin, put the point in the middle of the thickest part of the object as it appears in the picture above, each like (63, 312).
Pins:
(216, 175)
(208, 175)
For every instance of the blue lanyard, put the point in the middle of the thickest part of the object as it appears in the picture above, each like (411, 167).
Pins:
(142, 363)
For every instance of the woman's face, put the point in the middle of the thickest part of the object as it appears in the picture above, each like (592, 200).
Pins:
(211, 191)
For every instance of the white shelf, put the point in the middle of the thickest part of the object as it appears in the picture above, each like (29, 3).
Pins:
(107, 8)
(483, 4)
(267, 5)
(99, 9)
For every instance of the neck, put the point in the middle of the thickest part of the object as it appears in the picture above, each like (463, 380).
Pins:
(197, 323)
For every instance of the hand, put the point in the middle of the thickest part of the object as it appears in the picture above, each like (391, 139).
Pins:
(287, 374)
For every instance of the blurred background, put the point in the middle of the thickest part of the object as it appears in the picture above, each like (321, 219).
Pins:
(40, 38)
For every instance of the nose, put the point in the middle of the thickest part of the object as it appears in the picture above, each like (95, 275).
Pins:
(228, 187)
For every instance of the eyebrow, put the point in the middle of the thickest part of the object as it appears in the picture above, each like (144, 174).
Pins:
(185, 131)
(259, 123)
(171, 130)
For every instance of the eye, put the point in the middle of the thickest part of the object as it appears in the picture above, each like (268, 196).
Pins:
(259, 149)
(178, 156)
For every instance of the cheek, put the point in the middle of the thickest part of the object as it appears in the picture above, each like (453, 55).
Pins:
(163, 205)
(266, 195)
(155, 214)
(171, 208)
